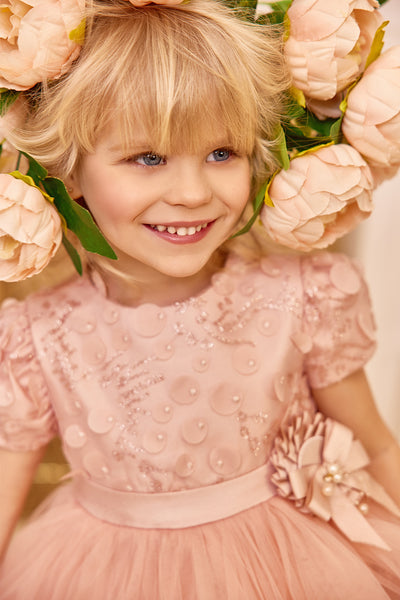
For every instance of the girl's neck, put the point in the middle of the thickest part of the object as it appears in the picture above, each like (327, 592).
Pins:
(129, 289)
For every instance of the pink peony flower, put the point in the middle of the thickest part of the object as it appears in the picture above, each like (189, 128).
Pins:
(34, 40)
(371, 122)
(329, 43)
(30, 229)
(323, 195)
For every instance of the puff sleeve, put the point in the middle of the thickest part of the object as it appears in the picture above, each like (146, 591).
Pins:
(337, 318)
(27, 420)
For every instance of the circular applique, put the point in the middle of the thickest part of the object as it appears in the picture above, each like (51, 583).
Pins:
(345, 278)
(94, 350)
(149, 320)
(201, 362)
(75, 437)
(224, 461)
(154, 441)
(184, 466)
(164, 351)
(111, 315)
(246, 288)
(194, 431)
(184, 390)
(100, 421)
(282, 385)
(162, 413)
(72, 406)
(82, 323)
(95, 464)
(268, 322)
(270, 267)
(226, 399)
(245, 360)
(222, 284)
(121, 340)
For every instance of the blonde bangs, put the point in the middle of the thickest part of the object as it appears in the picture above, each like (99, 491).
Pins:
(181, 72)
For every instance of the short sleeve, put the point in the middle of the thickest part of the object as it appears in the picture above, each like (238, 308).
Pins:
(337, 317)
(27, 420)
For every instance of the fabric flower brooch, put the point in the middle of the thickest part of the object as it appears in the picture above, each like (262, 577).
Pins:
(318, 465)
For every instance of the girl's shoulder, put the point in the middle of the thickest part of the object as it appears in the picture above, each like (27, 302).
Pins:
(328, 273)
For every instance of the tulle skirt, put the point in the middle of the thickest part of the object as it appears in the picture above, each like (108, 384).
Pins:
(270, 551)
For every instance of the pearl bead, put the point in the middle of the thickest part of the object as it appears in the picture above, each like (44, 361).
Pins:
(333, 469)
(337, 477)
(363, 508)
(327, 489)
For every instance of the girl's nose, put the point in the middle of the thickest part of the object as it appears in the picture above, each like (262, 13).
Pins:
(190, 185)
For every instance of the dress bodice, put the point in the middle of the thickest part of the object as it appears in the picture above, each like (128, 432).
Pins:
(154, 398)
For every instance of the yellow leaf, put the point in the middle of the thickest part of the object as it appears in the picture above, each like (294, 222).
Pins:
(267, 197)
(377, 44)
(78, 34)
(298, 95)
(29, 181)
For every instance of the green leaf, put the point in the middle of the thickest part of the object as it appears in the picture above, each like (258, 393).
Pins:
(280, 6)
(78, 219)
(258, 204)
(7, 98)
(36, 171)
(377, 44)
(281, 149)
(335, 132)
(73, 254)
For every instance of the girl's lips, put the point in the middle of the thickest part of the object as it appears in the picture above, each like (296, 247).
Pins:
(181, 233)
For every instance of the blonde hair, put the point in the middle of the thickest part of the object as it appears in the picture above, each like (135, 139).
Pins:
(176, 70)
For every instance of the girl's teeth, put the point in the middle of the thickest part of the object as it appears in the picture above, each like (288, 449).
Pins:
(181, 231)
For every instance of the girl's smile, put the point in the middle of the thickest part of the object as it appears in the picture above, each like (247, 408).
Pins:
(165, 216)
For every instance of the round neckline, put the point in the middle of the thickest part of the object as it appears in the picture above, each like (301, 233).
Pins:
(95, 281)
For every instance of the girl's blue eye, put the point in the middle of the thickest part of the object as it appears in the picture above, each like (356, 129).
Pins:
(220, 155)
(150, 159)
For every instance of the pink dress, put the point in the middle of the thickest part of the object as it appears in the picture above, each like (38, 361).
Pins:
(200, 469)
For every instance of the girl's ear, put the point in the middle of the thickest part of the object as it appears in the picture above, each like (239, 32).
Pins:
(73, 187)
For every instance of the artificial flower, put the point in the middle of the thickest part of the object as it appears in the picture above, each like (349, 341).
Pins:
(35, 40)
(323, 195)
(30, 229)
(371, 122)
(318, 465)
(329, 43)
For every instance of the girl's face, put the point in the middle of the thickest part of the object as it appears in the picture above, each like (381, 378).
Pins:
(164, 215)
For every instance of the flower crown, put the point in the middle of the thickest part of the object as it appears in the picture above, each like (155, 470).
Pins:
(339, 138)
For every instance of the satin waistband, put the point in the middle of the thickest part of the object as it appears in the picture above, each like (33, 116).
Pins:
(174, 510)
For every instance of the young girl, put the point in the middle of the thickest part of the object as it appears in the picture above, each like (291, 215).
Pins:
(205, 391)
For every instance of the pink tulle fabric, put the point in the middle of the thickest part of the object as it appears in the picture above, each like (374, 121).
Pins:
(169, 400)
(270, 551)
